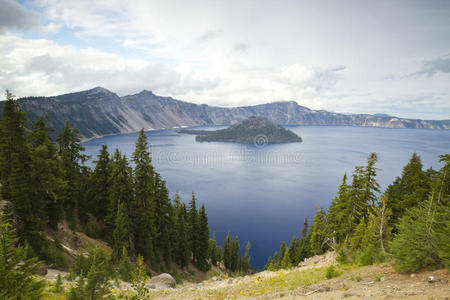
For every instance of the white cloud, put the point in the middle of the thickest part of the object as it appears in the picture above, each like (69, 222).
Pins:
(14, 16)
(43, 67)
(435, 66)
(51, 27)
(331, 56)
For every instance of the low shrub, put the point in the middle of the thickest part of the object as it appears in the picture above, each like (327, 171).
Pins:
(331, 272)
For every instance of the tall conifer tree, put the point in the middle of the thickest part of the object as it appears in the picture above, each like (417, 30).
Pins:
(16, 172)
(408, 190)
(120, 192)
(120, 232)
(46, 174)
(192, 220)
(99, 185)
(227, 252)
(143, 208)
(16, 271)
(202, 240)
(71, 158)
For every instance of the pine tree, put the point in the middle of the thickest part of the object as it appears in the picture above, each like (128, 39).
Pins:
(286, 261)
(125, 266)
(338, 214)
(357, 202)
(227, 252)
(371, 246)
(78, 292)
(192, 221)
(408, 190)
(202, 240)
(83, 204)
(276, 261)
(239, 265)
(364, 191)
(357, 236)
(234, 254)
(305, 228)
(93, 282)
(414, 246)
(213, 251)
(293, 245)
(98, 286)
(441, 234)
(283, 249)
(16, 271)
(269, 264)
(46, 174)
(16, 173)
(219, 254)
(99, 185)
(246, 260)
(162, 220)
(371, 187)
(143, 208)
(318, 232)
(380, 220)
(72, 160)
(303, 249)
(120, 232)
(443, 180)
(182, 250)
(120, 192)
(58, 284)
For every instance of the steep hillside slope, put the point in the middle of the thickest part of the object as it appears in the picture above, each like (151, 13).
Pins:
(98, 112)
(95, 112)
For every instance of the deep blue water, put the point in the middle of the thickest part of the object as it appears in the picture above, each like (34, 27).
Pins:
(263, 194)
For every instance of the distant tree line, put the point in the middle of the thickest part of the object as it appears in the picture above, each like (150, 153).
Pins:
(46, 182)
(408, 224)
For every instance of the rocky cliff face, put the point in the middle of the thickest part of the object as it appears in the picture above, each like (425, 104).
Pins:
(99, 112)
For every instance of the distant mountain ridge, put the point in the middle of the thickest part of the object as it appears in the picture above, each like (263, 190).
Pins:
(99, 112)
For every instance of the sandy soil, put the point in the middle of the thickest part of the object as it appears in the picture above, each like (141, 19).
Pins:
(372, 282)
(375, 283)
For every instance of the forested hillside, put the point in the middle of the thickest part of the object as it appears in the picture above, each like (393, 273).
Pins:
(408, 224)
(45, 184)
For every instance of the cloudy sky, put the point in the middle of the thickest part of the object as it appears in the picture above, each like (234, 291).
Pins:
(344, 56)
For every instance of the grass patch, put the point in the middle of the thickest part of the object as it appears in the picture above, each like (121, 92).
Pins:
(280, 283)
(356, 278)
(331, 272)
(50, 293)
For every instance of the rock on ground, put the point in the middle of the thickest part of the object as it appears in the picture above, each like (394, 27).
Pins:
(319, 261)
(163, 281)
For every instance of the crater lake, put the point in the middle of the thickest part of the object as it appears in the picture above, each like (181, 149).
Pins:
(262, 193)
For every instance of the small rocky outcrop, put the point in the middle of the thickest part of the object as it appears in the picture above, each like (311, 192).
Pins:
(162, 281)
(319, 261)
